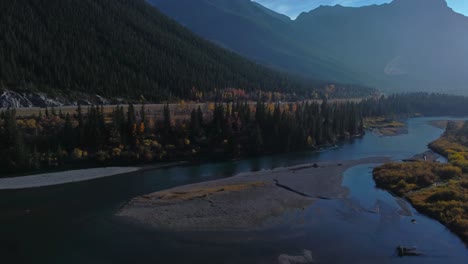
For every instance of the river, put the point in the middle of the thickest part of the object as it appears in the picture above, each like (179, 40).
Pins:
(75, 223)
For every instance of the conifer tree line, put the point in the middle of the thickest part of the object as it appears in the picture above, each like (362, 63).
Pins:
(227, 130)
(427, 104)
(130, 135)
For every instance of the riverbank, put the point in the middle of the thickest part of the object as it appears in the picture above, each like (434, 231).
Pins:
(72, 176)
(57, 178)
(245, 201)
(442, 124)
(435, 189)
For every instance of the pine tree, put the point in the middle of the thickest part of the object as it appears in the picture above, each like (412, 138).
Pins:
(167, 124)
(131, 125)
(194, 125)
(69, 135)
(142, 114)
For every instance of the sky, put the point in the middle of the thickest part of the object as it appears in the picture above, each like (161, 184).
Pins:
(293, 8)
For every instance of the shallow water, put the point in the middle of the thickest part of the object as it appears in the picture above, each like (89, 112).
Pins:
(75, 223)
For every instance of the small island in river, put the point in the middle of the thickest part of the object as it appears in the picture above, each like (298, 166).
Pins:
(384, 126)
(245, 201)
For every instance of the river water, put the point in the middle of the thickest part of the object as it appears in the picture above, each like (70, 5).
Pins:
(75, 223)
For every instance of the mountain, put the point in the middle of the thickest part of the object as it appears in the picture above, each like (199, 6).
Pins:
(407, 44)
(257, 33)
(401, 46)
(272, 13)
(117, 48)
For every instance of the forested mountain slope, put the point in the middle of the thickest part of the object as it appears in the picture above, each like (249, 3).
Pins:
(117, 48)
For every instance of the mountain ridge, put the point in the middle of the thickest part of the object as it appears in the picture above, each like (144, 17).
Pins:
(393, 46)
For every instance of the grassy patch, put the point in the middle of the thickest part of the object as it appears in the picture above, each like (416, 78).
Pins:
(384, 126)
(382, 122)
(454, 145)
(402, 178)
(204, 192)
(438, 190)
(448, 203)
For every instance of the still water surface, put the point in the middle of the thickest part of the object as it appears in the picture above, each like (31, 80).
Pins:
(75, 223)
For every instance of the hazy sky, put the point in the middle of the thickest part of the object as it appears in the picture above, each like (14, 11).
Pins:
(293, 8)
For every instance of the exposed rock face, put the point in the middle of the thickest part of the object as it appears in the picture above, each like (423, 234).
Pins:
(12, 99)
(288, 259)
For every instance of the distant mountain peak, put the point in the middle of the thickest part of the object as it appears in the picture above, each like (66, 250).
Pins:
(421, 3)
